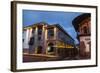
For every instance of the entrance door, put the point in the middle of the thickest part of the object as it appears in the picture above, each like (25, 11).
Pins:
(39, 50)
(50, 48)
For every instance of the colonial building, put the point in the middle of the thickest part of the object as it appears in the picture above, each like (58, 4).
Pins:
(48, 39)
(82, 25)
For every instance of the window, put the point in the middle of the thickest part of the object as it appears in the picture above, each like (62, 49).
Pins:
(39, 38)
(85, 30)
(31, 41)
(50, 32)
(39, 30)
(33, 30)
(23, 40)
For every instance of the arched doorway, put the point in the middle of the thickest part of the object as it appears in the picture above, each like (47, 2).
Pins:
(50, 47)
(39, 50)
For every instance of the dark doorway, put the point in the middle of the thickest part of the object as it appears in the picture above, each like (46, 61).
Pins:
(50, 47)
(39, 50)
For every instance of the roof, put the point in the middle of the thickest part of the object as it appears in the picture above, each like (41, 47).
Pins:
(40, 23)
(79, 19)
(61, 28)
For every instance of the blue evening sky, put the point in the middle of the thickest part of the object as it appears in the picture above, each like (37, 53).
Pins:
(52, 17)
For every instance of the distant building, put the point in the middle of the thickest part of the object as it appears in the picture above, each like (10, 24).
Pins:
(48, 39)
(82, 25)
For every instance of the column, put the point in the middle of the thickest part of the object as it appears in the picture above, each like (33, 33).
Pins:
(55, 38)
(45, 41)
(36, 39)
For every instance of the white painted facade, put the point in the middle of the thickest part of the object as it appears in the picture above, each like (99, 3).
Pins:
(86, 40)
(26, 36)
